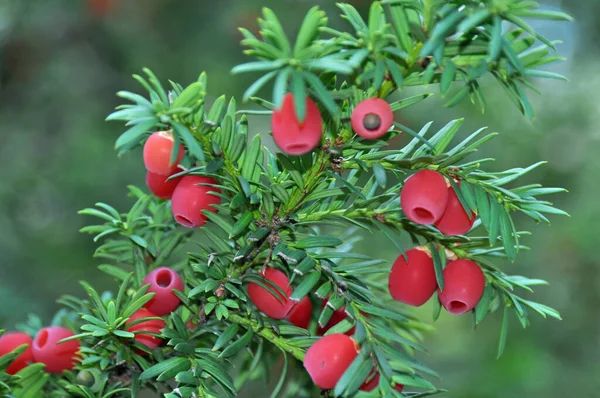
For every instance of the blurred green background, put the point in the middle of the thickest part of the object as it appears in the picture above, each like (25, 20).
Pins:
(61, 63)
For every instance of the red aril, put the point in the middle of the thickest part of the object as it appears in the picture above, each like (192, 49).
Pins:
(328, 358)
(424, 197)
(57, 357)
(372, 118)
(162, 281)
(464, 283)
(12, 340)
(455, 220)
(265, 301)
(157, 153)
(301, 313)
(413, 282)
(292, 136)
(160, 186)
(189, 199)
(141, 329)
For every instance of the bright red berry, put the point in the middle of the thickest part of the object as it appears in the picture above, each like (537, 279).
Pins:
(413, 282)
(424, 197)
(157, 153)
(160, 186)
(264, 300)
(464, 283)
(337, 316)
(162, 281)
(10, 341)
(455, 220)
(301, 313)
(152, 326)
(189, 199)
(372, 118)
(57, 357)
(292, 136)
(328, 358)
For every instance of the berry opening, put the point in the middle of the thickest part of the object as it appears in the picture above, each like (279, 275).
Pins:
(423, 214)
(163, 278)
(186, 222)
(297, 148)
(372, 121)
(42, 338)
(457, 307)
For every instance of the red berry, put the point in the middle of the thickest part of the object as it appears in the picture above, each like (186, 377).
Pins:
(337, 316)
(157, 153)
(424, 197)
(455, 220)
(464, 283)
(328, 358)
(10, 341)
(160, 186)
(189, 199)
(372, 382)
(56, 357)
(101, 7)
(300, 313)
(264, 300)
(372, 118)
(292, 136)
(162, 281)
(152, 326)
(414, 282)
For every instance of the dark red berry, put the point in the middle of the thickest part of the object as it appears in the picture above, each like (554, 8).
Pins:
(337, 316)
(455, 220)
(56, 357)
(424, 197)
(10, 341)
(371, 382)
(413, 282)
(160, 186)
(189, 199)
(162, 281)
(372, 118)
(464, 283)
(301, 313)
(101, 7)
(141, 329)
(264, 300)
(292, 136)
(157, 153)
(328, 358)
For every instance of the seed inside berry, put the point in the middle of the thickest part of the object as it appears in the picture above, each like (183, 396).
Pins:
(371, 121)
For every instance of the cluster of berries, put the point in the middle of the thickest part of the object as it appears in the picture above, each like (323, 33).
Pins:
(58, 357)
(44, 348)
(370, 119)
(189, 194)
(427, 198)
(412, 282)
(162, 282)
(328, 358)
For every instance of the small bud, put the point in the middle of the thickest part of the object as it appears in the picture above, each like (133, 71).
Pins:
(85, 378)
